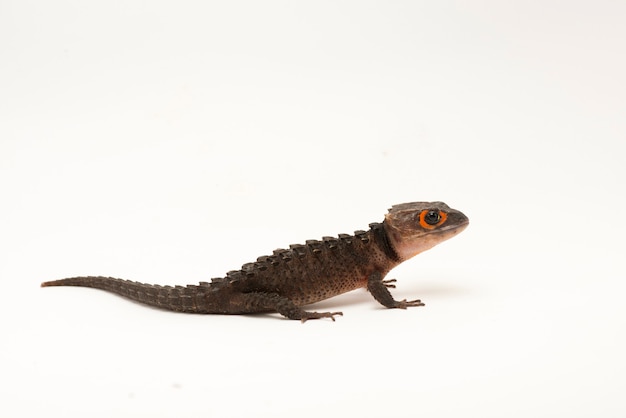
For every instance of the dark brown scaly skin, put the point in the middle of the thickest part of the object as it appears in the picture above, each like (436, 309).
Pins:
(303, 274)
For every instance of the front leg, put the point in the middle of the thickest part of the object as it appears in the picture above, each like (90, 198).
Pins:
(379, 289)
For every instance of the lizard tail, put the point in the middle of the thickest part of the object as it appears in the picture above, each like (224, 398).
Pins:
(176, 298)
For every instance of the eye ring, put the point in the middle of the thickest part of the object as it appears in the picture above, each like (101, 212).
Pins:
(431, 218)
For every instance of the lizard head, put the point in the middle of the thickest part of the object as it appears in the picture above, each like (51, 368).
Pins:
(418, 226)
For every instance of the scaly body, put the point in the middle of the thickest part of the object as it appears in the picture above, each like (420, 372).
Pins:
(291, 278)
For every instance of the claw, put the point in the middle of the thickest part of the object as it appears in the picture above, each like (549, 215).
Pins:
(318, 315)
(388, 283)
(403, 304)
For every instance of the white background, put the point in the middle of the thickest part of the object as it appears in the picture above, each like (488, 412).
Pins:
(169, 142)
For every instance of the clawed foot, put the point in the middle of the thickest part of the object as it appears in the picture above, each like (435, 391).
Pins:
(317, 315)
(403, 304)
(388, 283)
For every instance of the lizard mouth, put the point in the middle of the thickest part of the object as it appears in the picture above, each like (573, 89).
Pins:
(445, 232)
(449, 231)
(458, 226)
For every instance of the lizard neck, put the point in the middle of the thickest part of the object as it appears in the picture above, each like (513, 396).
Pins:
(380, 237)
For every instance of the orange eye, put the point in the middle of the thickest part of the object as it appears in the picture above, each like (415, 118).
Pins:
(430, 219)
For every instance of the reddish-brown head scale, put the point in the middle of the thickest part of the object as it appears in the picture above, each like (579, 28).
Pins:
(418, 226)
